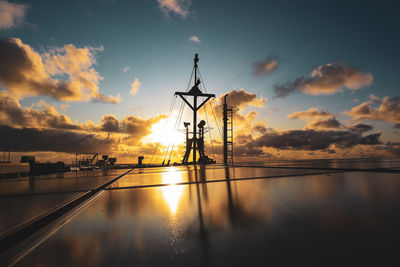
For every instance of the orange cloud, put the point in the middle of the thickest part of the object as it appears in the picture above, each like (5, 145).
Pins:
(26, 73)
(266, 66)
(180, 7)
(326, 80)
(135, 87)
(388, 110)
(241, 99)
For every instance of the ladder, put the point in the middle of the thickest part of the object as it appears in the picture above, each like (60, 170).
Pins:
(228, 132)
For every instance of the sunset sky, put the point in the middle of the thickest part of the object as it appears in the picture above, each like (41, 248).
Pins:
(312, 79)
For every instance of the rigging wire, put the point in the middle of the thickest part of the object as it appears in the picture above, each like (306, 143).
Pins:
(166, 123)
(175, 128)
(173, 144)
(211, 107)
(209, 132)
(181, 109)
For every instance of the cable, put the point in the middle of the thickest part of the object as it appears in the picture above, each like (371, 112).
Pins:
(211, 107)
(167, 122)
(168, 118)
(209, 132)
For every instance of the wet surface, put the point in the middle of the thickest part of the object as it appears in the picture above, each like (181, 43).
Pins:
(378, 163)
(15, 210)
(24, 199)
(157, 176)
(326, 219)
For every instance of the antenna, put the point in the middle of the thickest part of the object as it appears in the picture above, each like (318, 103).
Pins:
(194, 143)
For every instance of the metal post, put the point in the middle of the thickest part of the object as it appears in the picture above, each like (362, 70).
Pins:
(194, 128)
(225, 134)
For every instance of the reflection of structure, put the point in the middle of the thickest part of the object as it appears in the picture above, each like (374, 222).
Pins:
(228, 132)
(6, 157)
(195, 143)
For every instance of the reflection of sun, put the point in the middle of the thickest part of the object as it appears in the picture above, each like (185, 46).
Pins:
(172, 193)
(164, 132)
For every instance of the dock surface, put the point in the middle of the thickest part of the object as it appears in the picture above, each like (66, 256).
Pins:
(284, 214)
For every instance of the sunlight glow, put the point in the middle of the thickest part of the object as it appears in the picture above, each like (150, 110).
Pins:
(164, 132)
(172, 193)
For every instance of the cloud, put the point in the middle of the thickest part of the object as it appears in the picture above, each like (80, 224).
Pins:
(194, 39)
(125, 69)
(360, 127)
(11, 15)
(52, 140)
(13, 115)
(329, 123)
(325, 80)
(388, 110)
(310, 113)
(135, 87)
(241, 99)
(179, 7)
(135, 127)
(24, 72)
(314, 140)
(266, 66)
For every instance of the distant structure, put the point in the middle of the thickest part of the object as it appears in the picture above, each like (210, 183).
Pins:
(228, 132)
(140, 160)
(196, 143)
(87, 161)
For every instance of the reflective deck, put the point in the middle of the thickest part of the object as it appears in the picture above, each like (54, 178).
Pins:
(320, 219)
(26, 198)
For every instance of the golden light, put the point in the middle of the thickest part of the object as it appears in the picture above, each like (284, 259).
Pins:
(172, 193)
(164, 132)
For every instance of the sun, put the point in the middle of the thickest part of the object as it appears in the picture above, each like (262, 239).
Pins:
(165, 132)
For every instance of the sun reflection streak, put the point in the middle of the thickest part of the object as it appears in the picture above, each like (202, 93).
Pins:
(172, 193)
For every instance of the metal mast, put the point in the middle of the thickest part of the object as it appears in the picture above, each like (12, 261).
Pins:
(228, 131)
(195, 92)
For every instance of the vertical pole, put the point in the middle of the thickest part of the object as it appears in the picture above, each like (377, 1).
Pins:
(196, 59)
(194, 128)
(225, 134)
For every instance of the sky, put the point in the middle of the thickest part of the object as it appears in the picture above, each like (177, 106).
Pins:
(311, 79)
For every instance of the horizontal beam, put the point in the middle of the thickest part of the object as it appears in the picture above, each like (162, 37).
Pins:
(189, 94)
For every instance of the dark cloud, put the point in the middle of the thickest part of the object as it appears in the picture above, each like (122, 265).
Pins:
(109, 123)
(326, 79)
(330, 123)
(310, 113)
(13, 115)
(266, 66)
(29, 139)
(313, 140)
(360, 127)
(246, 147)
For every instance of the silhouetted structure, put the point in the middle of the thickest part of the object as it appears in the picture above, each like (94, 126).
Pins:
(228, 132)
(140, 160)
(195, 143)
